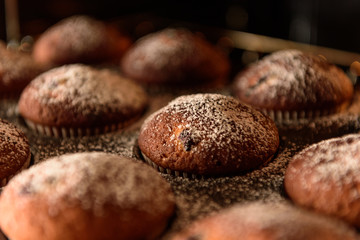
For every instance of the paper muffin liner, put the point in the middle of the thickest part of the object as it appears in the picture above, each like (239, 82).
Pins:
(139, 154)
(4, 181)
(287, 116)
(169, 171)
(62, 132)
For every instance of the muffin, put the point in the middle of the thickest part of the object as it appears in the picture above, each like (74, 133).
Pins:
(2, 237)
(77, 100)
(80, 39)
(267, 221)
(291, 85)
(86, 196)
(207, 134)
(15, 152)
(325, 177)
(17, 69)
(175, 57)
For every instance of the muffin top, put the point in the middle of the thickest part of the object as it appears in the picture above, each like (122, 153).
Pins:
(96, 181)
(17, 69)
(325, 177)
(80, 39)
(293, 80)
(262, 221)
(14, 149)
(78, 96)
(208, 134)
(175, 56)
(335, 159)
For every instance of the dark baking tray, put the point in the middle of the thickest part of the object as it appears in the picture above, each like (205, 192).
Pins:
(198, 197)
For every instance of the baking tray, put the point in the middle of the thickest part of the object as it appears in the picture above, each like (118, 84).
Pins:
(201, 196)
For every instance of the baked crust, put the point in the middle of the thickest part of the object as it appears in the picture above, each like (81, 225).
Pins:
(79, 96)
(80, 39)
(208, 134)
(325, 177)
(15, 151)
(16, 71)
(294, 81)
(175, 57)
(266, 221)
(86, 196)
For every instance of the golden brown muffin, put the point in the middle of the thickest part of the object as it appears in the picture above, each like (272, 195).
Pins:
(208, 134)
(77, 100)
(14, 151)
(291, 84)
(325, 177)
(175, 57)
(17, 69)
(80, 39)
(86, 196)
(267, 221)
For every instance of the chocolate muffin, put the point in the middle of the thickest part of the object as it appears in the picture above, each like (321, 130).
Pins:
(17, 69)
(80, 39)
(325, 177)
(175, 57)
(86, 196)
(267, 221)
(78, 100)
(15, 152)
(291, 85)
(207, 134)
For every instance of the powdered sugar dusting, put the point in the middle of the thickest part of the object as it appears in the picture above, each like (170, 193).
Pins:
(210, 116)
(87, 90)
(280, 221)
(96, 180)
(14, 148)
(293, 77)
(335, 160)
(75, 31)
(212, 123)
(166, 49)
(174, 55)
(199, 197)
(16, 69)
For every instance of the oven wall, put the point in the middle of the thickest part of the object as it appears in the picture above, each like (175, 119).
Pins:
(328, 23)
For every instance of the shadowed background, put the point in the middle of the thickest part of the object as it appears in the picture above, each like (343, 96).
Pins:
(327, 23)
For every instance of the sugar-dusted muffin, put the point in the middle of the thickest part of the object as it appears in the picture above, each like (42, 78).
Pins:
(86, 196)
(15, 152)
(291, 84)
(267, 221)
(325, 177)
(17, 69)
(77, 100)
(207, 134)
(80, 39)
(175, 56)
